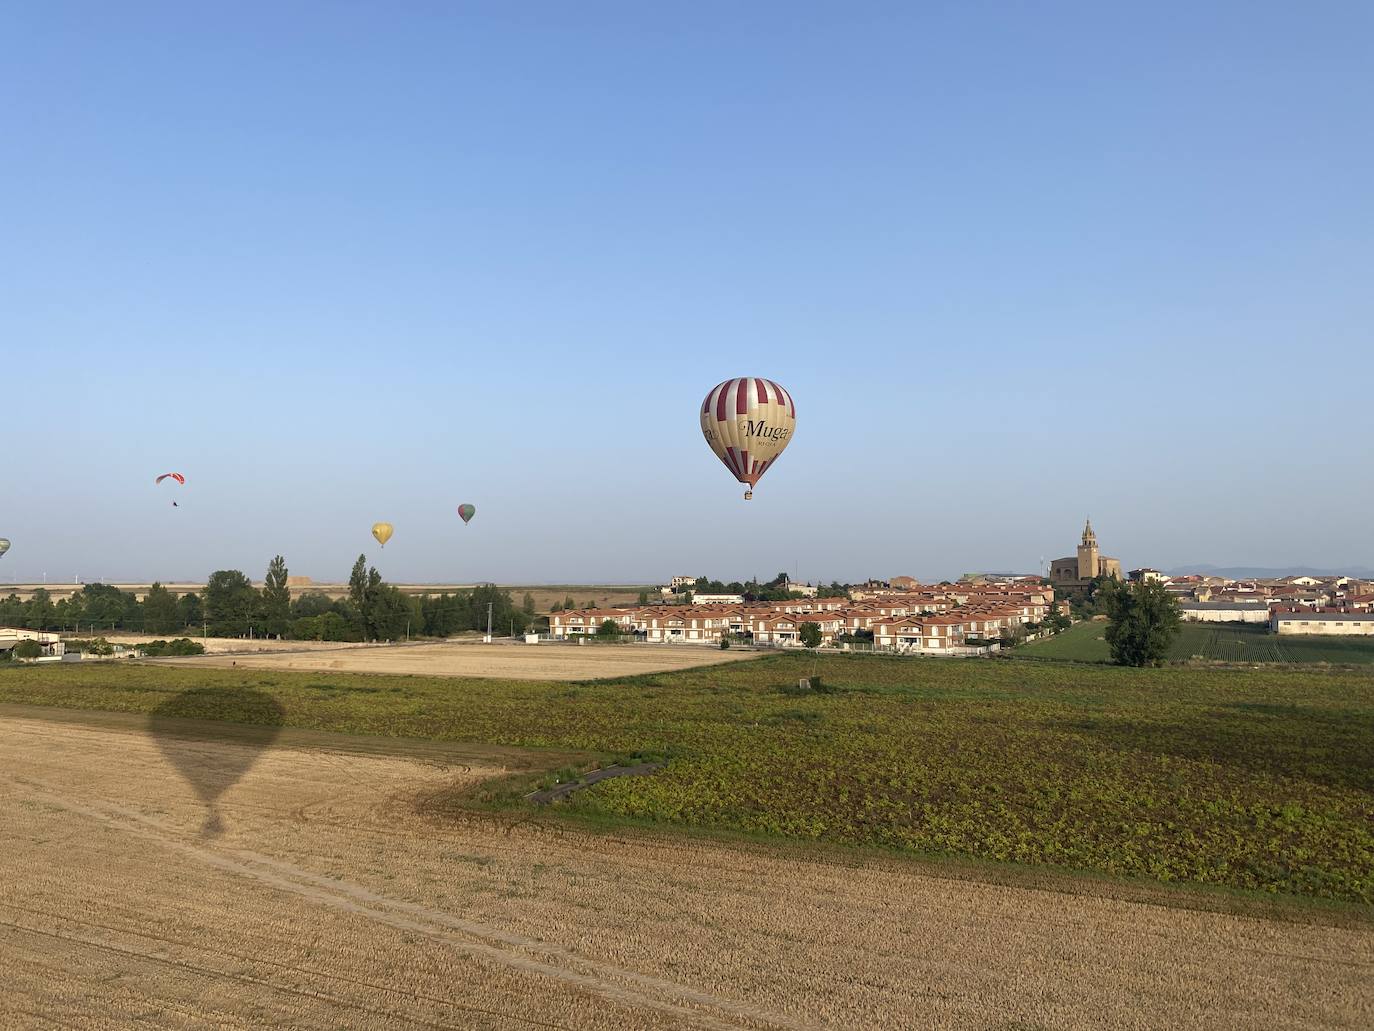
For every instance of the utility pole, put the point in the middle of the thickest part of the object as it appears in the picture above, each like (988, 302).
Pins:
(488, 641)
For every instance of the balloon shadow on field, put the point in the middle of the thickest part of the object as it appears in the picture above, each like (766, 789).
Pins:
(242, 723)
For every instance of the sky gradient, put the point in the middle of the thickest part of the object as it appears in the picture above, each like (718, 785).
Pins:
(344, 262)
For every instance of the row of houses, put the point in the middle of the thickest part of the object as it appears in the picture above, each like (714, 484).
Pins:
(901, 624)
(1292, 592)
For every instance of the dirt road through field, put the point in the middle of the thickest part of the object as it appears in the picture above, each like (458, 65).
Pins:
(547, 661)
(324, 898)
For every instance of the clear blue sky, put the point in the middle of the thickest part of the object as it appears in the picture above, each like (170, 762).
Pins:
(342, 262)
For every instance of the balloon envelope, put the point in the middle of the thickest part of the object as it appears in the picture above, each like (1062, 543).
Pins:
(4, 545)
(467, 512)
(748, 422)
(382, 531)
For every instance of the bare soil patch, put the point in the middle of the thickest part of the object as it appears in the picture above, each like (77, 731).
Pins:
(325, 899)
(545, 661)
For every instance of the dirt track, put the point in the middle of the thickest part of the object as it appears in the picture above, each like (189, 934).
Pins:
(545, 661)
(325, 900)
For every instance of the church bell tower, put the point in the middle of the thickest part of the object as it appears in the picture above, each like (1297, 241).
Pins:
(1089, 565)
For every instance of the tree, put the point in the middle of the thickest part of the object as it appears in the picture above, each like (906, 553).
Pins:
(609, 630)
(390, 613)
(189, 610)
(276, 599)
(569, 604)
(40, 613)
(643, 597)
(27, 649)
(312, 603)
(160, 611)
(1142, 621)
(810, 634)
(231, 603)
(528, 607)
(363, 585)
(107, 607)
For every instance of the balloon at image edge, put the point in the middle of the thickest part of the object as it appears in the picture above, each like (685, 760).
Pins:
(466, 512)
(4, 545)
(748, 422)
(382, 531)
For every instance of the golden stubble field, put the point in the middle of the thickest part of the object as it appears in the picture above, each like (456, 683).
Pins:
(509, 661)
(296, 880)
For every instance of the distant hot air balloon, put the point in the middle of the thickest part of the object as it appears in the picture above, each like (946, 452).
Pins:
(4, 545)
(748, 422)
(467, 512)
(172, 476)
(382, 531)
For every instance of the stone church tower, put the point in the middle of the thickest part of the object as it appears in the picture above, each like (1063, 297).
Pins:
(1089, 564)
(1081, 569)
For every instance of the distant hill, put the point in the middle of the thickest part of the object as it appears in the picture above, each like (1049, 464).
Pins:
(1269, 573)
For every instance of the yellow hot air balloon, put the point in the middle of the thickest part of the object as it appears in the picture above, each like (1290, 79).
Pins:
(748, 422)
(382, 531)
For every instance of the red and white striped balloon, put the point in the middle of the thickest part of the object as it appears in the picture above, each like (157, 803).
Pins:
(748, 422)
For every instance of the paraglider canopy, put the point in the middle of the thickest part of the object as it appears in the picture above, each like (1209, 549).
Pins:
(748, 422)
(467, 512)
(175, 476)
(382, 531)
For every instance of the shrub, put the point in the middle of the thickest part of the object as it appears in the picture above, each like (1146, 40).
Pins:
(180, 646)
(28, 650)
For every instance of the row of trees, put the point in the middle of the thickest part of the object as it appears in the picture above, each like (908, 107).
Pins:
(230, 606)
(752, 590)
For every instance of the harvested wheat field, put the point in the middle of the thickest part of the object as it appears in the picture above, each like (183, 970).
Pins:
(546, 661)
(274, 878)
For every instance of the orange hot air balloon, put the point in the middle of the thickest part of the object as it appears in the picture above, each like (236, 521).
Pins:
(748, 422)
(382, 531)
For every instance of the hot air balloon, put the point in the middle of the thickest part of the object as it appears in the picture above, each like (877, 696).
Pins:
(467, 512)
(4, 545)
(748, 422)
(382, 531)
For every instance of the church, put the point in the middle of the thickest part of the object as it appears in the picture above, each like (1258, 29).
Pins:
(1081, 569)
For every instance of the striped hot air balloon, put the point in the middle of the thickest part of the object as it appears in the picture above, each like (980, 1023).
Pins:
(748, 422)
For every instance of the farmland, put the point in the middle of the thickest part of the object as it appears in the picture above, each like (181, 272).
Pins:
(549, 661)
(329, 897)
(1239, 778)
(1216, 642)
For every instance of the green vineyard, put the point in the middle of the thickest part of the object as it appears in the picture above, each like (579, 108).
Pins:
(1225, 642)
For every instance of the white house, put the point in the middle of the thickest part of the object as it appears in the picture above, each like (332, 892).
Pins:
(50, 643)
(1225, 611)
